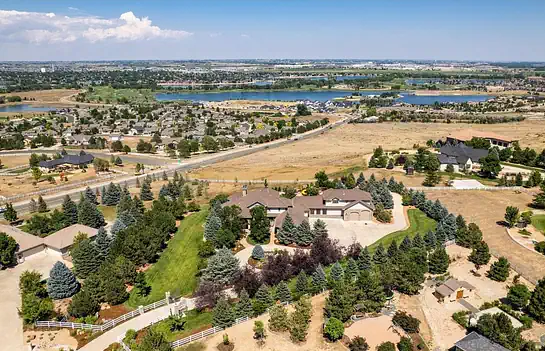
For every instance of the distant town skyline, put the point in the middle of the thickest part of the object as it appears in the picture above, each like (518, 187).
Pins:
(461, 30)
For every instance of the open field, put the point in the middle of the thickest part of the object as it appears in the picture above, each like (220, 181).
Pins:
(348, 146)
(107, 94)
(53, 95)
(14, 161)
(486, 208)
(419, 223)
(176, 268)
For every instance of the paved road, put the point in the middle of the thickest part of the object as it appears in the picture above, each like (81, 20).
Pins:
(183, 166)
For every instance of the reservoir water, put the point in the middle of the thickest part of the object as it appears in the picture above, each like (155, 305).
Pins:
(24, 108)
(313, 95)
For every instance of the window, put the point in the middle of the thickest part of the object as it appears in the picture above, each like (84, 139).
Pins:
(311, 211)
(324, 211)
(335, 201)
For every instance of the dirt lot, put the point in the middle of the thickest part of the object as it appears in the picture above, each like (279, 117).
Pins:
(133, 140)
(242, 335)
(374, 330)
(347, 146)
(486, 208)
(13, 161)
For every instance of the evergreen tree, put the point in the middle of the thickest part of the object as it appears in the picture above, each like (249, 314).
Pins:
(61, 283)
(419, 242)
(112, 196)
(259, 225)
(244, 305)
(32, 206)
(258, 253)
(262, 300)
(222, 267)
(117, 227)
(480, 254)
(337, 273)
(90, 195)
(145, 191)
(352, 270)
(85, 258)
(319, 280)
(165, 177)
(438, 261)
(460, 222)
(83, 304)
(211, 228)
(518, 296)
(380, 256)
(440, 234)
(278, 318)
(319, 228)
(340, 302)
(70, 210)
(102, 242)
(392, 250)
(499, 271)
(449, 226)
(10, 214)
(301, 284)
(90, 215)
(406, 244)
(370, 291)
(304, 235)
(364, 259)
(42, 206)
(361, 179)
(286, 234)
(431, 240)
(138, 183)
(102, 194)
(536, 307)
(223, 315)
(283, 293)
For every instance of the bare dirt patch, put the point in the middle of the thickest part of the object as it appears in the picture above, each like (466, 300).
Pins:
(13, 161)
(51, 340)
(486, 208)
(348, 146)
(374, 330)
(53, 95)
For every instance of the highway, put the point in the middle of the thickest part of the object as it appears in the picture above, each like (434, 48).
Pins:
(56, 199)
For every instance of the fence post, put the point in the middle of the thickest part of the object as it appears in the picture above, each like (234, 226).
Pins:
(141, 309)
(72, 325)
(167, 297)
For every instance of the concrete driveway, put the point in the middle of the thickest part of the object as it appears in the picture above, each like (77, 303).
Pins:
(11, 326)
(366, 233)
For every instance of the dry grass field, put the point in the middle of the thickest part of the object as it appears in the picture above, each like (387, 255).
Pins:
(13, 161)
(486, 208)
(54, 95)
(348, 146)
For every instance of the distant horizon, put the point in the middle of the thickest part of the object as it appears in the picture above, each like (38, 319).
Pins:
(104, 30)
(280, 59)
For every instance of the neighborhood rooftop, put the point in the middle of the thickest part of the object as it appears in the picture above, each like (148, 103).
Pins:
(477, 342)
(468, 134)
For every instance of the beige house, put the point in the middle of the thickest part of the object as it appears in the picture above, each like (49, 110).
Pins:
(453, 289)
(462, 136)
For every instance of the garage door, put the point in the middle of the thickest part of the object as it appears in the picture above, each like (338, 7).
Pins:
(353, 216)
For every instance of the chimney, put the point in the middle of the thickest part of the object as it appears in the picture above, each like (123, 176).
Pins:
(244, 190)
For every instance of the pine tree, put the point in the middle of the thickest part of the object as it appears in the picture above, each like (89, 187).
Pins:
(90, 195)
(70, 210)
(352, 270)
(262, 300)
(431, 240)
(117, 227)
(10, 214)
(85, 258)
(319, 280)
(440, 233)
(278, 318)
(145, 192)
(223, 315)
(499, 271)
(61, 283)
(536, 307)
(301, 284)
(282, 293)
(419, 242)
(337, 273)
(364, 260)
(438, 261)
(340, 302)
(304, 235)
(392, 250)
(244, 305)
(480, 254)
(102, 242)
(371, 291)
(112, 196)
(460, 222)
(361, 179)
(406, 244)
(258, 253)
(32, 206)
(319, 228)
(102, 194)
(222, 267)
(380, 256)
(286, 234)
(90, 215)
(42, 206)
(449, 226)
(211, 228)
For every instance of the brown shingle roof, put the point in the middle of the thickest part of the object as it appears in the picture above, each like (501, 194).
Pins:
(65, 237)
(346, 195)
(25, 240)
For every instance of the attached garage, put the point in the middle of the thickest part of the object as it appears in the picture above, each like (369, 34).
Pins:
(352, 215)
(358, 212)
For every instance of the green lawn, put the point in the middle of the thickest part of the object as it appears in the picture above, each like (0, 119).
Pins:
(420, 223)
(109, 212)
(108, 94)
(195, 322)
(176, 268)
(538, 221)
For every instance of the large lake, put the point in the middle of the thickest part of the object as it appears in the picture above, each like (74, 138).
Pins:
(313, 95)
(24, 108)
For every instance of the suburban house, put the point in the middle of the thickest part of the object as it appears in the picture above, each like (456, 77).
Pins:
(59, 242)
(345, 204)
(476, 342)
(453, 290)
(463, 136)
(460, 156)
(68, 161)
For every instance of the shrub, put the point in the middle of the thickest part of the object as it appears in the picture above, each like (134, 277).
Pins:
(258, 253)
(540, 247)
(386, 346)
(334, 329)
(405, 344)
(406, 322)
(358, 344)
(460, 317)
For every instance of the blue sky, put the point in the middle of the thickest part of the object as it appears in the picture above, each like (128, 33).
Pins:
(501, 30)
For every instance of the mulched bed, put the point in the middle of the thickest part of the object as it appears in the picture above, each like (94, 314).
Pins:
(112, 313)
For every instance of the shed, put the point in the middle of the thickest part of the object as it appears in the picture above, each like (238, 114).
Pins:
(453, 289)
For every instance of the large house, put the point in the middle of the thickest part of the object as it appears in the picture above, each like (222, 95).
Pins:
(476, 342)
(68, 160)
(345, 204)
(463, 136)
(460, 156)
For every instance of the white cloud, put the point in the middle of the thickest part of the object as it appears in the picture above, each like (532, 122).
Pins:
(245, 35)
(215, 35)
(73, 8)
(38, 27)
